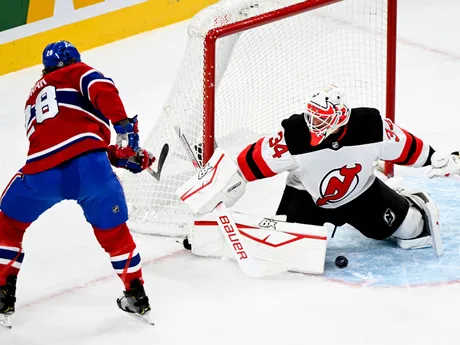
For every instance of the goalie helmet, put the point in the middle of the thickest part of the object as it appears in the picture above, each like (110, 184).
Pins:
(326, 112)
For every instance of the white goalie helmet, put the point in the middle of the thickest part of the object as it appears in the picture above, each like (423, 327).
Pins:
(326, 112)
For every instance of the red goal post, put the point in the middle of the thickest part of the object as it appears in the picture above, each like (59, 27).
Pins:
(210, 61)
(247, 65)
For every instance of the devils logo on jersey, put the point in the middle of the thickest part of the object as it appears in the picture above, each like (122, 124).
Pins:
(338, 184)
(389, 216)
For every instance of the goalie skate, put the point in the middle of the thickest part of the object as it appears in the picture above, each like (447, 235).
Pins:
(135, 302)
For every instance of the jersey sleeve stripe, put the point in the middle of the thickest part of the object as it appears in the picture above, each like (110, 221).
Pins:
(243, 164)
(75, 100)
(252, 164)
(409, 147)
(418, 147)
(260, 162)
(105, 80)
(89, 78)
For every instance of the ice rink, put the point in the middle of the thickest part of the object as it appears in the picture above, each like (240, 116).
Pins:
(67, 288)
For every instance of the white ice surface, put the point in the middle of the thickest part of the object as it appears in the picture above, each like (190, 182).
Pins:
(67, 289)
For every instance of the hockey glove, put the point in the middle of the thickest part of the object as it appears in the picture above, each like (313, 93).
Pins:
(444, 165)
(140, 161)
(127, 137)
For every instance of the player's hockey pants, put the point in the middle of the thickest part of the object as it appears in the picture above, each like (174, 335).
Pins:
(87, 179)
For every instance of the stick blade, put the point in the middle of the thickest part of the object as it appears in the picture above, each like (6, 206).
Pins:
(161, 161)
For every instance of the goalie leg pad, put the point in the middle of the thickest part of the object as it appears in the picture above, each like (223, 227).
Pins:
(431, 233)
(298, 247)
(410, 233)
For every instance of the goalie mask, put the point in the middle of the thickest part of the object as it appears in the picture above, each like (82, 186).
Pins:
(326, 112)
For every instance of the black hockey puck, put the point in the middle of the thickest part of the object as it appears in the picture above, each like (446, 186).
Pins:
(187, 244)
(341, 261)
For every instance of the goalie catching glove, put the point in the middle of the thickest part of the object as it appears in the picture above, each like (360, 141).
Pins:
(444, 165)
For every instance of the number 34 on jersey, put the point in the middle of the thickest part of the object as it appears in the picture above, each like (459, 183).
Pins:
(265, 158)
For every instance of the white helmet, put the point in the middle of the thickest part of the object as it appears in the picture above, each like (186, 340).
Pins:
(326, 111)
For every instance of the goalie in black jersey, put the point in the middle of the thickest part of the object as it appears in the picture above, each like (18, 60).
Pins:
(330, 153)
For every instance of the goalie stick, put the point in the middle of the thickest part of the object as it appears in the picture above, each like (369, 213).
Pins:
(161, 161)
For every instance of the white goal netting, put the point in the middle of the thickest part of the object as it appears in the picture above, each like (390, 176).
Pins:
(263, 75)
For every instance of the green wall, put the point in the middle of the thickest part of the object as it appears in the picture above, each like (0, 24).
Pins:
(13, 13)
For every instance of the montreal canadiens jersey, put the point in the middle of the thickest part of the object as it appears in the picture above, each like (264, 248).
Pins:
(342, 166)
(68, 113)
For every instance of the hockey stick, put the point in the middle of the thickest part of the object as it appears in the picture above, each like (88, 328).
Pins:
(188, 148)
(161, 162)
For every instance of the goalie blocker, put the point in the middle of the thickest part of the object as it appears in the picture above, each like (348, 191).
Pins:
(261, 246)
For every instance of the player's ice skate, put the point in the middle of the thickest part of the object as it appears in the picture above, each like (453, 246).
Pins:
(135, 302)
(7, 301)
(5, 320)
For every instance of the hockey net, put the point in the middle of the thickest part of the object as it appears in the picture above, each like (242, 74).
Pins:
(247, 66)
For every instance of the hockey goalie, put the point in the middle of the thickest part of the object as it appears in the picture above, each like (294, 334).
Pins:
(329, 152)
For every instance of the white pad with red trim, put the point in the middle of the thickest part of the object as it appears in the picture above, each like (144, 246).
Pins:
(218, 181)
(292, 246)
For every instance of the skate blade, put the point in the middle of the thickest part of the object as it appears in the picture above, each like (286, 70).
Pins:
(5, 321)
(143, 318)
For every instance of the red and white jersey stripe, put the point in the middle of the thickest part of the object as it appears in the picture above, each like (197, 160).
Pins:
(401, 147)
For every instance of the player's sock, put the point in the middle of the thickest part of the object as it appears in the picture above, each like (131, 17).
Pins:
(125, 258)
(11, 252)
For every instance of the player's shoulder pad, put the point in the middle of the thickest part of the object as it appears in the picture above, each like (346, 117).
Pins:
(296, 134)
(364, 127)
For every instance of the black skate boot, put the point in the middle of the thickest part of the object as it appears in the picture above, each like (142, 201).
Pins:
(135, 302)
(7, 301)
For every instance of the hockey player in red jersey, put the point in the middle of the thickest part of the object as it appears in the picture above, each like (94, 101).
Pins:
(67, 120)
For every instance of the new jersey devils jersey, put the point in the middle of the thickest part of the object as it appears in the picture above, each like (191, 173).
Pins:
(342, 166)
(67, 114)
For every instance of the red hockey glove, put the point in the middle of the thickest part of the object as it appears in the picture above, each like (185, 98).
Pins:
(141, 160)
